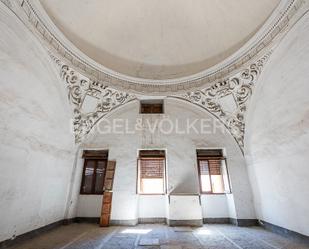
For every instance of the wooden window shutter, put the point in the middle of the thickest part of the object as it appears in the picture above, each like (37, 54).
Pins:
(152, 163)
(152, 154)
(152, 168)
(109, 176)
(215, 167)
(204, 168)
(95, 154)
(108, 194)
(151, 106)
(210, 153)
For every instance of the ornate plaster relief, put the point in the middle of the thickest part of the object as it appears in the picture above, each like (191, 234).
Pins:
(79, 88)
(231, 82)
(238, 88)
(32, 14)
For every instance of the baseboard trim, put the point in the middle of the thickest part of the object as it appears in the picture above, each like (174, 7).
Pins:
(235, 222)
(191, 223)
(152, 221)
(31, 234)
(123, 222)
(68, 221)
(283, 231)
(95, 220)
(134, 222)
(216, 220)
(244, 222)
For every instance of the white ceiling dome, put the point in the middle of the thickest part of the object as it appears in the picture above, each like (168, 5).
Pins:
(159, 39)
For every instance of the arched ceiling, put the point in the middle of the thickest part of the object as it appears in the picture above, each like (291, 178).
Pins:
(159, 39)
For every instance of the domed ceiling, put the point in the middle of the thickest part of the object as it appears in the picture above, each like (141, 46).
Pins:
(159, 39)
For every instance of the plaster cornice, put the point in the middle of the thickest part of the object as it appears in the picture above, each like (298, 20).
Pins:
(238, 88)
(209, 90)
(228, 99)
(33, 15)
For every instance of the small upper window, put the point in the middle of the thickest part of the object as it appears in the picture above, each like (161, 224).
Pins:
(213, 173)
(151, 106)
(94, 172)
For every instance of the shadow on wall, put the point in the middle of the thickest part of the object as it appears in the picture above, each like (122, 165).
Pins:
(277, 138)
(36, 142)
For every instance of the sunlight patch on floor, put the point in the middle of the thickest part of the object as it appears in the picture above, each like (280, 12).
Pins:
(136, 231)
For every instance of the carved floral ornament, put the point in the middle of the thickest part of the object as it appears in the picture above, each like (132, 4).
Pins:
(239, 87)
(226, 86)
(79, 88)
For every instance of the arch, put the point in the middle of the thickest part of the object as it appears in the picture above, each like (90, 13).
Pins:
(33, 16)
(227, 100)
(212, 114)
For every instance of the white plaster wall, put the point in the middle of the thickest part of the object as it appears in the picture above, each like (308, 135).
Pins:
(180, 149)
(231, 206)
(215, 206)
(36, 144)
(277, 137)
(157, 209)
(73, 198)
(185, 208)
(89, 205)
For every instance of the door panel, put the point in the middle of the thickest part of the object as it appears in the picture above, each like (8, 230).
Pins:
(108, 194)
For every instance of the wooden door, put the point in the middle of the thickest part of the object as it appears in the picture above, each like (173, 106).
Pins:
(108, 194)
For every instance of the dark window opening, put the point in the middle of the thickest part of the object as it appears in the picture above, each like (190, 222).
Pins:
(213, 172)
(151, 107)
(151, 172)
(94, 172)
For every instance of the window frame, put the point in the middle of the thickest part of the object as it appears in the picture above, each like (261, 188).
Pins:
(201, 158)
(138, 178)
(151, 102)
(93, 182)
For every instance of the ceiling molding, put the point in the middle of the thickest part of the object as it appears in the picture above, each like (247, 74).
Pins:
(80, 90)
(232, 84)
(33, 15)
(226, 100)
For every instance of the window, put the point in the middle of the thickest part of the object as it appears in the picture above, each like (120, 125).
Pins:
(94, 172)
(213, 172)
(151, 106)
(151, 172)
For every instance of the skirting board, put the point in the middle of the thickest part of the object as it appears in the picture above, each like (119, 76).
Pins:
(216, 220)
(29, 235)
(283, 231)
(95, 220)
(244, 222)
(235, 222)
(152, 221)
(124, 222)
(192, 223)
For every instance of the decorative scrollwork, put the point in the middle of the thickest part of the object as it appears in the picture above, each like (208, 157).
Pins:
(286, 16)
(240, 86)
(79, 87)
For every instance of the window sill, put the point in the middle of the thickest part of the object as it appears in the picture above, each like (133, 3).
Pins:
(151, 113)
(90, 194)
(151, 194)
(216, 193)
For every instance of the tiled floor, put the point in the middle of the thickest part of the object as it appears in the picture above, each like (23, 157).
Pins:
(90, 236)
